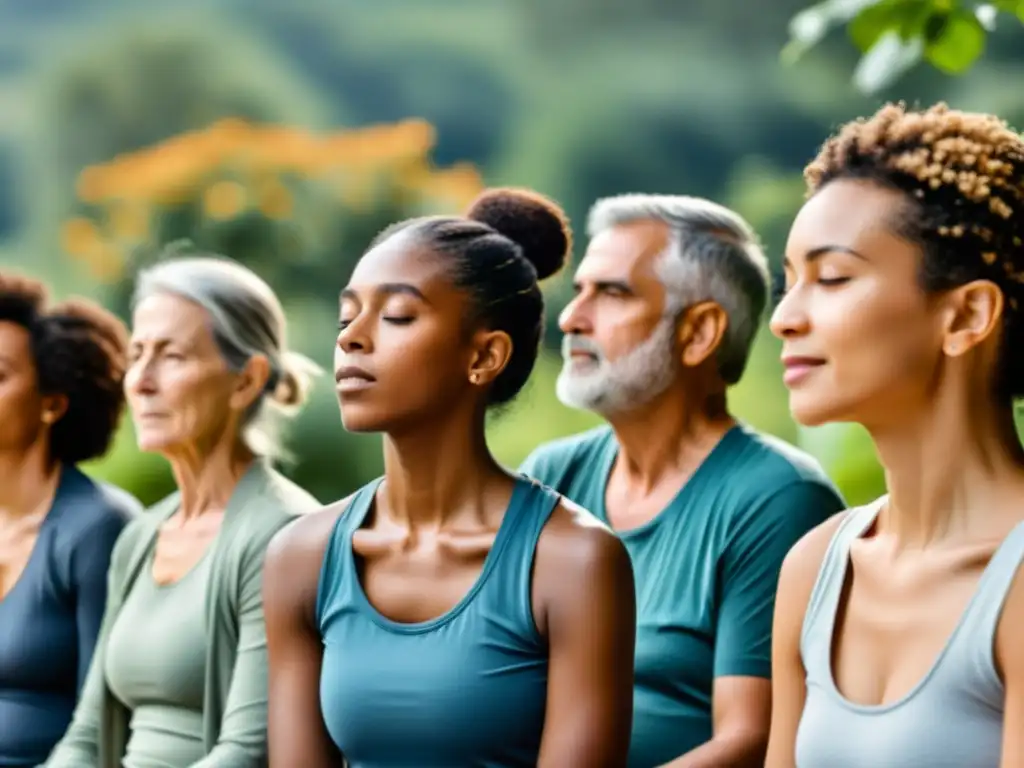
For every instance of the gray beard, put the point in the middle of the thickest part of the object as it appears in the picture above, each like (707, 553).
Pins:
(610, 387)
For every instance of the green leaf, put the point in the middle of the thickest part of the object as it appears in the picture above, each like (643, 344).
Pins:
(956, 42)
(809, 27)
(905, 17)
(1015, 7)
(887, 61)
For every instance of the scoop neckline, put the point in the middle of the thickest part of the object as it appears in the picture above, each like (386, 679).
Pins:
(508, 522)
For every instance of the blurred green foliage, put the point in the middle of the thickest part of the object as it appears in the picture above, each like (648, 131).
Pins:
(895, 35)
(578, 98)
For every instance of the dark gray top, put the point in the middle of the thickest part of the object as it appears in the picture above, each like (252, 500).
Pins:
(51, 617)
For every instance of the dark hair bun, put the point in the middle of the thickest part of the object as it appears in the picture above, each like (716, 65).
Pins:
(536, 223)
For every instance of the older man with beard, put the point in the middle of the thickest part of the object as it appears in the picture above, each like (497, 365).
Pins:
(669, 297)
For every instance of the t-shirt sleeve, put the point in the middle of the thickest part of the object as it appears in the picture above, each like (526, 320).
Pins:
(90, 559)
(537, 466)
(749, 573)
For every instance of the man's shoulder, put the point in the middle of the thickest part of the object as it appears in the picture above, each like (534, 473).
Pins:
(562, 454)
(768, 464)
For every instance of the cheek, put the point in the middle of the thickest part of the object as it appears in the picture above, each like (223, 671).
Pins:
(881, 352)
(618, 336)
(880, 334)
(195, 404)
(20, 415)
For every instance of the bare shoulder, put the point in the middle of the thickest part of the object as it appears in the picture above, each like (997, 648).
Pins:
(296, 552)
(803, 561)
(573, 537)
(1008, 647)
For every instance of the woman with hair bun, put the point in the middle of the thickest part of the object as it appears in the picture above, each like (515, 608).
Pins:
(451, 612)
(898, 625)
(61, 399)
(180, 672)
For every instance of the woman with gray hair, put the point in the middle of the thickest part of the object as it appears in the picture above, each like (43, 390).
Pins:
(179, 676)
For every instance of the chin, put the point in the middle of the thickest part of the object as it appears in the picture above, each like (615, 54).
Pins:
(153, 443)
(814, 411)
(361, 420)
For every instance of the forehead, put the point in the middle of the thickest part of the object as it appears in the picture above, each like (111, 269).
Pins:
(15, 344)
(846, 212)
(624, 252)
(399, 260)
(164, 316)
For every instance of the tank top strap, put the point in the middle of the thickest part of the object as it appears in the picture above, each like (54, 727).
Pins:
(511, 587)
(336, 554)
(816, 633)
(973, 646)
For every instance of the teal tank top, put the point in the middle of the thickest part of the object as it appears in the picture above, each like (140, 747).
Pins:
(465, 689)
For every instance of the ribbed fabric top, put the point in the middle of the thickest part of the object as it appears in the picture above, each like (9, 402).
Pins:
(465, 689)
(953, 717)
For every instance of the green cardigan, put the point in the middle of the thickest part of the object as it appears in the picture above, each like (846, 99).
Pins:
(235, 699)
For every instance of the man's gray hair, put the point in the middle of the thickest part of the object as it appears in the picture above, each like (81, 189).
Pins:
(714, 255)
(246, 319)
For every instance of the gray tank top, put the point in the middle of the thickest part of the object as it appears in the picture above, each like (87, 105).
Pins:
(953, 718)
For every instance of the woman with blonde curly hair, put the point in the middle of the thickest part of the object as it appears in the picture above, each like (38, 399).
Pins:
(898, 624)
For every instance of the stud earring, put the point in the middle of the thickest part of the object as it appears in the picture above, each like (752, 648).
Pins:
(474, 378)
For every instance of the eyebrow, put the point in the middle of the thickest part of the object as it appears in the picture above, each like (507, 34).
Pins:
(605, 285)
(387, 289)
(816, 253)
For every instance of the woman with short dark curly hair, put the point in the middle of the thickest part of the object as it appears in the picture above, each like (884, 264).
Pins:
(61, 370)
(898, 625)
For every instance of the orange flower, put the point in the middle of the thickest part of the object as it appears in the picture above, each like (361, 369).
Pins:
(224, 200)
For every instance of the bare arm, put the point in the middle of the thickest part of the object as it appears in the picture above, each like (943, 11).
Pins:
(1010, 660)
(741, 706)
(584, 583)
(296, 731)
(796, 581)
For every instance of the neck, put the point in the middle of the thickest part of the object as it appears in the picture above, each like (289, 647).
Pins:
(437, 470)
(671, 434)
(952, 473)
(206, 479)
(27, 480)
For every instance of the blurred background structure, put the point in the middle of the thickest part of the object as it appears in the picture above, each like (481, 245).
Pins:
(286, 134)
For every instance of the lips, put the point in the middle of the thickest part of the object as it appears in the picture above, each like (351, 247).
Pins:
(798, 368)
(351, 379)
(352, 373)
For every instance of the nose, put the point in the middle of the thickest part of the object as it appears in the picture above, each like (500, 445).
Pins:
(790, 318)
(138, 378)
(354, 337)
(574, 319)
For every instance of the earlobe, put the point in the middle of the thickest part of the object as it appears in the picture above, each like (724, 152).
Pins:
(54, 409)
(493, 351)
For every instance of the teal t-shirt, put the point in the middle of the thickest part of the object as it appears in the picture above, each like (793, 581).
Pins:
(705, 568)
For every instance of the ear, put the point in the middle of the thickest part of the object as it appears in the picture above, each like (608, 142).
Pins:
(250, 383)
(700, 331)
(491, 352)
(974, 312)
(54, 408)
